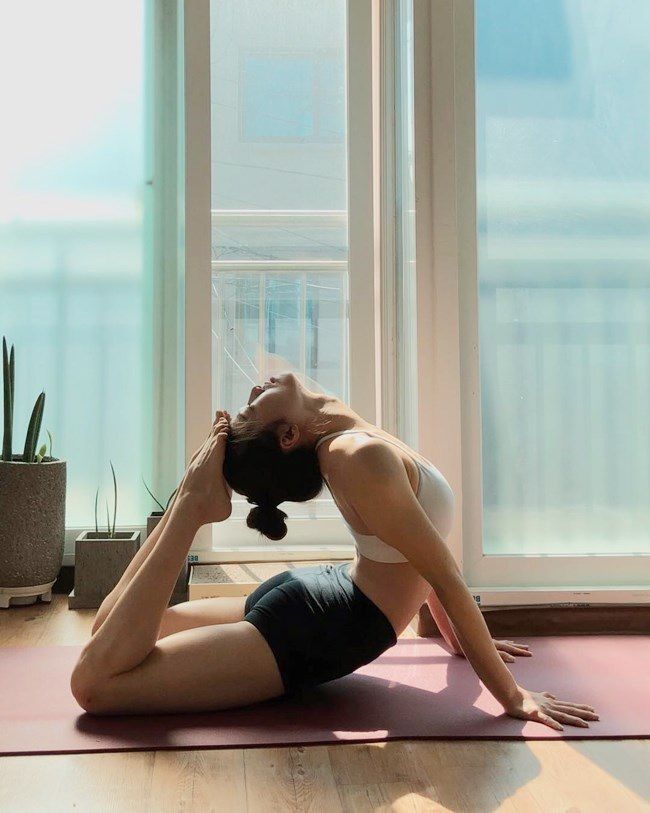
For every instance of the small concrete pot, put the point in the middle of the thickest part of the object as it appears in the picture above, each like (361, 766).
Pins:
(152, 520)
(32, 528)
(180, 591)
(99, 563)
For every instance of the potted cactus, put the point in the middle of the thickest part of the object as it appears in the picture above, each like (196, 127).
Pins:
(101, 557)
(32, 500)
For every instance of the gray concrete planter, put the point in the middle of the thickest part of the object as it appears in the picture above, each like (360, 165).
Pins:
(32, 528)
(99, 563)
(180, 592)
(152, 520)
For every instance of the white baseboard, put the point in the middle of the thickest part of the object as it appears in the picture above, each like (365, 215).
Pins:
(271, 553)
(564, 597)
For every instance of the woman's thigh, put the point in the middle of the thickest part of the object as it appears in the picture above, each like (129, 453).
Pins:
(222, 610)
(201, 612)
(202, 669)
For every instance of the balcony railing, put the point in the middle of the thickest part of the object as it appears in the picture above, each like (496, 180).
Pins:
(279, 287)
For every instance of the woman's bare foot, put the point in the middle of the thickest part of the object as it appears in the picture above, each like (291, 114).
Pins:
(221, 511)
(204, 483)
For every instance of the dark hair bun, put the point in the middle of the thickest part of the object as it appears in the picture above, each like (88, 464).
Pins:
(268, 520)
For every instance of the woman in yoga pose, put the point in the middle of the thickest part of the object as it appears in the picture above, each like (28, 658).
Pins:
(312, 624)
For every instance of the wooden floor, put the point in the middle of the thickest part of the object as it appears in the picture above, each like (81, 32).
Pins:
(403, 776)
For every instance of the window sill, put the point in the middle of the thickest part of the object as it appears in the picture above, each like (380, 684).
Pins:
(271, 553)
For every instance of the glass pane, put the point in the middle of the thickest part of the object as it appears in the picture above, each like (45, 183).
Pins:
(279, 192)
(72, 285)
(563, 128)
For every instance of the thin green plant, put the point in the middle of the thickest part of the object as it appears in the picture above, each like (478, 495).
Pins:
(30, 453)
(110, 530)
(162, 507)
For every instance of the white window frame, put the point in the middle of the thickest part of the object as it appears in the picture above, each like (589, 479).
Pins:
(446, 425)
(448, 344)
(163, 224)
(328, 535)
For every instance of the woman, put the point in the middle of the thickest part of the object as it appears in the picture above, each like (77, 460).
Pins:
(312, 624)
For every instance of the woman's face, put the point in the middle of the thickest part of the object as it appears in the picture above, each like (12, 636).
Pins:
(279, 398)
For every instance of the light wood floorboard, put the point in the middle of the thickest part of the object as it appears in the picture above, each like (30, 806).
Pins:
(457, 775)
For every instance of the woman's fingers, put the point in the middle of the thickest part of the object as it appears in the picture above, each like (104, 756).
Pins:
(221, 422)
(508, 649)
(221, 425)
(549, 721)
(569, 719)
(221, 415)
(511, 646)
(218, 444)
(204, 451)
(513, 649)
(568, 702)
(586, 712)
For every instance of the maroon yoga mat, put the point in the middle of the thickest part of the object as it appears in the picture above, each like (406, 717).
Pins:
(414, 690)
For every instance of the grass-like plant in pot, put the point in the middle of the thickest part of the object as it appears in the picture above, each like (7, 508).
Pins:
(101, 557)
(157, 514)
(32, 503)
(180, 590)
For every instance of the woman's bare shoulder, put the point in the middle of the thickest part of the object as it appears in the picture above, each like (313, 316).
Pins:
(356, 455)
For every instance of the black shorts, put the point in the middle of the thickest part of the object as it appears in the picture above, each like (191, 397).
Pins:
(318, 624)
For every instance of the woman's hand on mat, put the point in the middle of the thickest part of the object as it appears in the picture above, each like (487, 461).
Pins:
(508, 650)
(544, 707)
(204, 487)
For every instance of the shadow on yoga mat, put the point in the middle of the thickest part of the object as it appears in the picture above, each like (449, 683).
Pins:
(415, 690)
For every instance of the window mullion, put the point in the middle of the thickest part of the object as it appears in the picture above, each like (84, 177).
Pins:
(362, 257)
(198, 234)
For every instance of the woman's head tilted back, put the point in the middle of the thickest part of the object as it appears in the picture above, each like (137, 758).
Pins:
(271, 457)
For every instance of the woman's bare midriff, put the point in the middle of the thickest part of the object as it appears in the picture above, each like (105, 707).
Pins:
(397, 589)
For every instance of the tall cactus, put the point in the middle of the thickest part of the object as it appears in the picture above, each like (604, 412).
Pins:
(8, 377)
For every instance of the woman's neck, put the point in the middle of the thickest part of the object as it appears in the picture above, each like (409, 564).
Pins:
(332, 415)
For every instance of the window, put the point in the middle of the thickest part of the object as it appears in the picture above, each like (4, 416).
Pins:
(74, 284)
(279, 196)
(279, 212)
(541, 309)
(564, 277)
(539, 313)
(293, 97)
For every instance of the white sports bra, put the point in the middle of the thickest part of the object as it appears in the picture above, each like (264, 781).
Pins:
(434, 495)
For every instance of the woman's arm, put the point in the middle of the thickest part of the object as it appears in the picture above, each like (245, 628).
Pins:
(507, 649)
(443, 622)
(373, 480)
